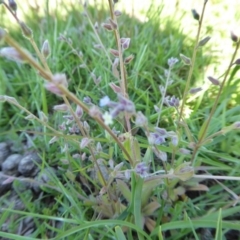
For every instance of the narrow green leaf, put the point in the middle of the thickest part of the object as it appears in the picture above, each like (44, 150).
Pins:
(137, 202)
(123, 187)
(219, 234)
(201, 131)
(197, 224)
(119, 233)
(102, 223)
(132, 147)
(160, 236)
(14, 236)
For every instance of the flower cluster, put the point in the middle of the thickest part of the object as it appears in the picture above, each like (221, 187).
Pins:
(116, 108)
(159, 136)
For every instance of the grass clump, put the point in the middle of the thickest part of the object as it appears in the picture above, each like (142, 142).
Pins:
(133, 147)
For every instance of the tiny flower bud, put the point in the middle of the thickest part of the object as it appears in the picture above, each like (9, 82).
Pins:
(79, 111)
(141, 120)
(98, 80)
(174, 140)
(97, 46)
(159, 154)
(43, 117)
(236, 125)
(46, 49)
(113, 24)
(57, 79)
(127, 174)
(237, 62)
(184, 171)
(86, 126)
(234, 37)
(114, 52)
(99, 149)
(107, 26)
(126, 43)
(214, 81)
(128, 59)
(184, 151)
(117, 13)
(84, 156)
(93, 76)
(76, 155)
(64, 149)
(53, 140)
(13, 5)
(96, 25)
(87, 100)
(203, 41)
(192, 145)
(12, 54)
(195, 90)
(30, 117)
(115, 88)
(186, 60)
(84, 142)
(26, 31)
(114, 68)
(156, 108)
(61, 108)
(82, 65)
(62, 127)
(196, 16)
(60, 78)
(122, 40)
(69, 41)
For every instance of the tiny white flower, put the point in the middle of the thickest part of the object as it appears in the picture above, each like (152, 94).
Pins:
(108, 120)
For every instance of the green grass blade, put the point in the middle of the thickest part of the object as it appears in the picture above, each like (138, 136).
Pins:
(119, 233)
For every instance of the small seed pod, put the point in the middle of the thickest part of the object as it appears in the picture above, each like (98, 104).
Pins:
(196, 16)
(26, 31)
(13, 5)
(234, 37)
(46, 51)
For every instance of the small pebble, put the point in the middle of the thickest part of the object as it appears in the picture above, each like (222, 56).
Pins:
(28, 165)
(10, 165)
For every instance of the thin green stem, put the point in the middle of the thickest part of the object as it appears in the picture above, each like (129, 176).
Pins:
(163, 96)
(192, 62)
(219, 93)
(97, 35)
(204, 132)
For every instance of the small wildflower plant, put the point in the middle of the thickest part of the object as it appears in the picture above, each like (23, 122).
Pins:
(129, 169)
